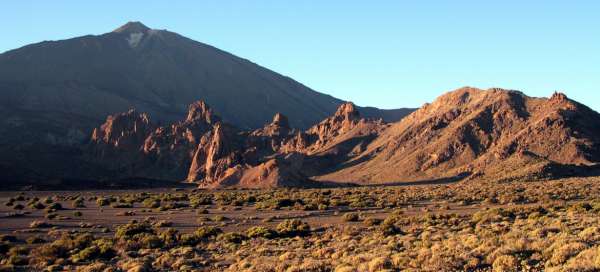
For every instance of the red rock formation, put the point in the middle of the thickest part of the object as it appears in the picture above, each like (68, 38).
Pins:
(472, 130)
(123, 131)
(495, 134)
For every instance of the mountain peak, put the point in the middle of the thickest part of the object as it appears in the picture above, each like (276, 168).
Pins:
(132, 27)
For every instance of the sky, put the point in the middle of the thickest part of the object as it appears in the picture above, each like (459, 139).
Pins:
(387, 54)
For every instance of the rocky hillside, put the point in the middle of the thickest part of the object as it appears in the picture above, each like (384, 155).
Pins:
(468, 133)
(53, 93)
(206, 150)
(494, 133)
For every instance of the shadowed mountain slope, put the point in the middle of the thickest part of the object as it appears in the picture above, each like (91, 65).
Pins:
(53, 93)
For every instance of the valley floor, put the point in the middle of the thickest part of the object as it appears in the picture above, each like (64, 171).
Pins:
(464, 226)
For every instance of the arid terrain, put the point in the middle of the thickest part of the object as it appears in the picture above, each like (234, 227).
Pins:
(142, 150)
(463, 226)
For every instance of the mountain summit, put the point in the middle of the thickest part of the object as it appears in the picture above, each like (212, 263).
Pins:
(132, 27)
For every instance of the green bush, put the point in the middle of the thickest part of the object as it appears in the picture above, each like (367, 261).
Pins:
(233, 237)
(293, 227)
(388, 227)
(189, 239)
(148, 240)
(151, 203)
(118, 205)
(260, 231)
(350, 217)
(102, 201)
(207, 232)
(129, 230)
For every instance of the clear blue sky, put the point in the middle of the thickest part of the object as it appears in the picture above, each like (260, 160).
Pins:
(387, 54)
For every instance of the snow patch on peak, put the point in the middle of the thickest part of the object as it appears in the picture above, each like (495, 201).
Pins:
(134, 39)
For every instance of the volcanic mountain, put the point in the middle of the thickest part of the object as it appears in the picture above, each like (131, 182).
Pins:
(495, 134)
(53, 93)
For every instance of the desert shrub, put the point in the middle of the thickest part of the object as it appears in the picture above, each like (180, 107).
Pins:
(100, 249)
(202, 211)
(118, 205)
(37, 205)
(35, 240)
(207, 232)
(293, 227)
(151, 203)
(232, 237)
(370, 221)
(54, 207)
(566, 251)
(19, 260)
(102, 201)
(61, 248)
(388, 226)
(189, 239)
(169, 236)
(260, 231)
(198, 200)
(162, 224)
(8, 238)
(129, 230)
(147, 240)
(492, 215)
(18, 207)
(506, 263)
(78, 203)
(77, 214)
(350, 217)
(219, 218)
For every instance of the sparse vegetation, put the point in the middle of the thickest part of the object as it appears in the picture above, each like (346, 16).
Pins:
(536, 226)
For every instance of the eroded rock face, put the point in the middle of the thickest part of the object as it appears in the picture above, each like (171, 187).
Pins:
(345, 118)
(123, 131)
(496, 133)
(207, 151)
(218, 152)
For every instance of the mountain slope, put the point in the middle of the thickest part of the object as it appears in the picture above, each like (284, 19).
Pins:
(53, 93)
(491, 133)
(158, 72)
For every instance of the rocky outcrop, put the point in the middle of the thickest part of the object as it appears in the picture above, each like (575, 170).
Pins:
(214, 154)
(480, 131)
(496, 134)
(124, 131)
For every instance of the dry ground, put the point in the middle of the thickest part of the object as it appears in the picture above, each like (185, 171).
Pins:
(466, 226)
